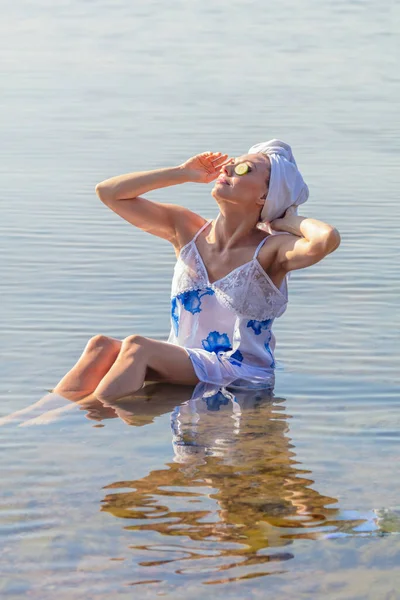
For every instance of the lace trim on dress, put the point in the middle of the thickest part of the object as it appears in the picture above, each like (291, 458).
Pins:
(249, 294)
(247, 290)
(186, 276)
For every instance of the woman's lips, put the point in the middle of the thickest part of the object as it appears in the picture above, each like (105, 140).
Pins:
(222, 180)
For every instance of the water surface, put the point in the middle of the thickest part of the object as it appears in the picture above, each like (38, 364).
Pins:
(294, 495)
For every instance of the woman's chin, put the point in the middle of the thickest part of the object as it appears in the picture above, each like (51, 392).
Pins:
(219, 191)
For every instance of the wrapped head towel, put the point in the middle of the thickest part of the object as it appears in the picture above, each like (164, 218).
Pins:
(286, 185)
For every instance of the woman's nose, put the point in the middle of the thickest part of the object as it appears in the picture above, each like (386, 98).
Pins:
(227, 169)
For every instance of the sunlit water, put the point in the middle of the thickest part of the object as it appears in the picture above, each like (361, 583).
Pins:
(189, 492)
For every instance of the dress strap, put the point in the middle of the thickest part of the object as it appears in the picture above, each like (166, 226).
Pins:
(201, 229)
(259, 247)
(263, 241)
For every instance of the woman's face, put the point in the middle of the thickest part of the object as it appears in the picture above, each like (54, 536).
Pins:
(249, 188)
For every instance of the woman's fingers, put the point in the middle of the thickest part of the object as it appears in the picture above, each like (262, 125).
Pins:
(209, 153)
(212, 162)
(264, 225)
(214, 157)
(218, 156)
(222, 162)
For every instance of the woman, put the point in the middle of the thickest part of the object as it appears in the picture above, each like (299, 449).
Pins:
(230, 278)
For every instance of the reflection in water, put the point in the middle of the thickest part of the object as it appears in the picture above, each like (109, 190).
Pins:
(234, 495)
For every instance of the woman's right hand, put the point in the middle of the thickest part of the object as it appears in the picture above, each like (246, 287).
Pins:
(205, 167)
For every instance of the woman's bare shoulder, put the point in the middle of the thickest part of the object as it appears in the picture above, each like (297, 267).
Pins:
(268, 254)
(188, 224)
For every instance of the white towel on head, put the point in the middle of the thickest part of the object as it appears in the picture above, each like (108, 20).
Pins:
(286, 185)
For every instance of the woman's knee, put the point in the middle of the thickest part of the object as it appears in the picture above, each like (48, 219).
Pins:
(134, 344)
(103, 343)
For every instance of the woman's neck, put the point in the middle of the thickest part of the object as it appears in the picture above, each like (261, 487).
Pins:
(230, 228)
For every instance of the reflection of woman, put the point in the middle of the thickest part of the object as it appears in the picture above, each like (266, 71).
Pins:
(230, 278)
(234, 463)
(234, 484)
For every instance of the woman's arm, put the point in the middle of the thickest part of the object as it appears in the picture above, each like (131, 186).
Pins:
(131, 185)
(123, 194)
(310, 242)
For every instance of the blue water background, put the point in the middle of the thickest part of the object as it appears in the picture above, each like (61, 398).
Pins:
(90, 90)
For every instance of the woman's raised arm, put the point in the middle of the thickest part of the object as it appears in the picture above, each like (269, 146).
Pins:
(310, 242)
(123, 195)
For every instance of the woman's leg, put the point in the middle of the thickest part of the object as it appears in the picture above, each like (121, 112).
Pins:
(96, 411)
(110, 369)
(96, 360)
(48, 401)
(140, 357)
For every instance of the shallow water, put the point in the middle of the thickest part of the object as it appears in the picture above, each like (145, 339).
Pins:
(294, 495)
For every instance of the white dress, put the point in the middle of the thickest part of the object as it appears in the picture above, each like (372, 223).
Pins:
(225, 326)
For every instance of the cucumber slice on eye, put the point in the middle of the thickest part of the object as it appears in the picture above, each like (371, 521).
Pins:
(241, 169)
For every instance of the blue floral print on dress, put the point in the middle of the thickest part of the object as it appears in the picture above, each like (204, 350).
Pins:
(216, 342)
(191, 299)
(215, 401)
(268, 349)
(258, 326)
(175, 315)
(236, 358)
